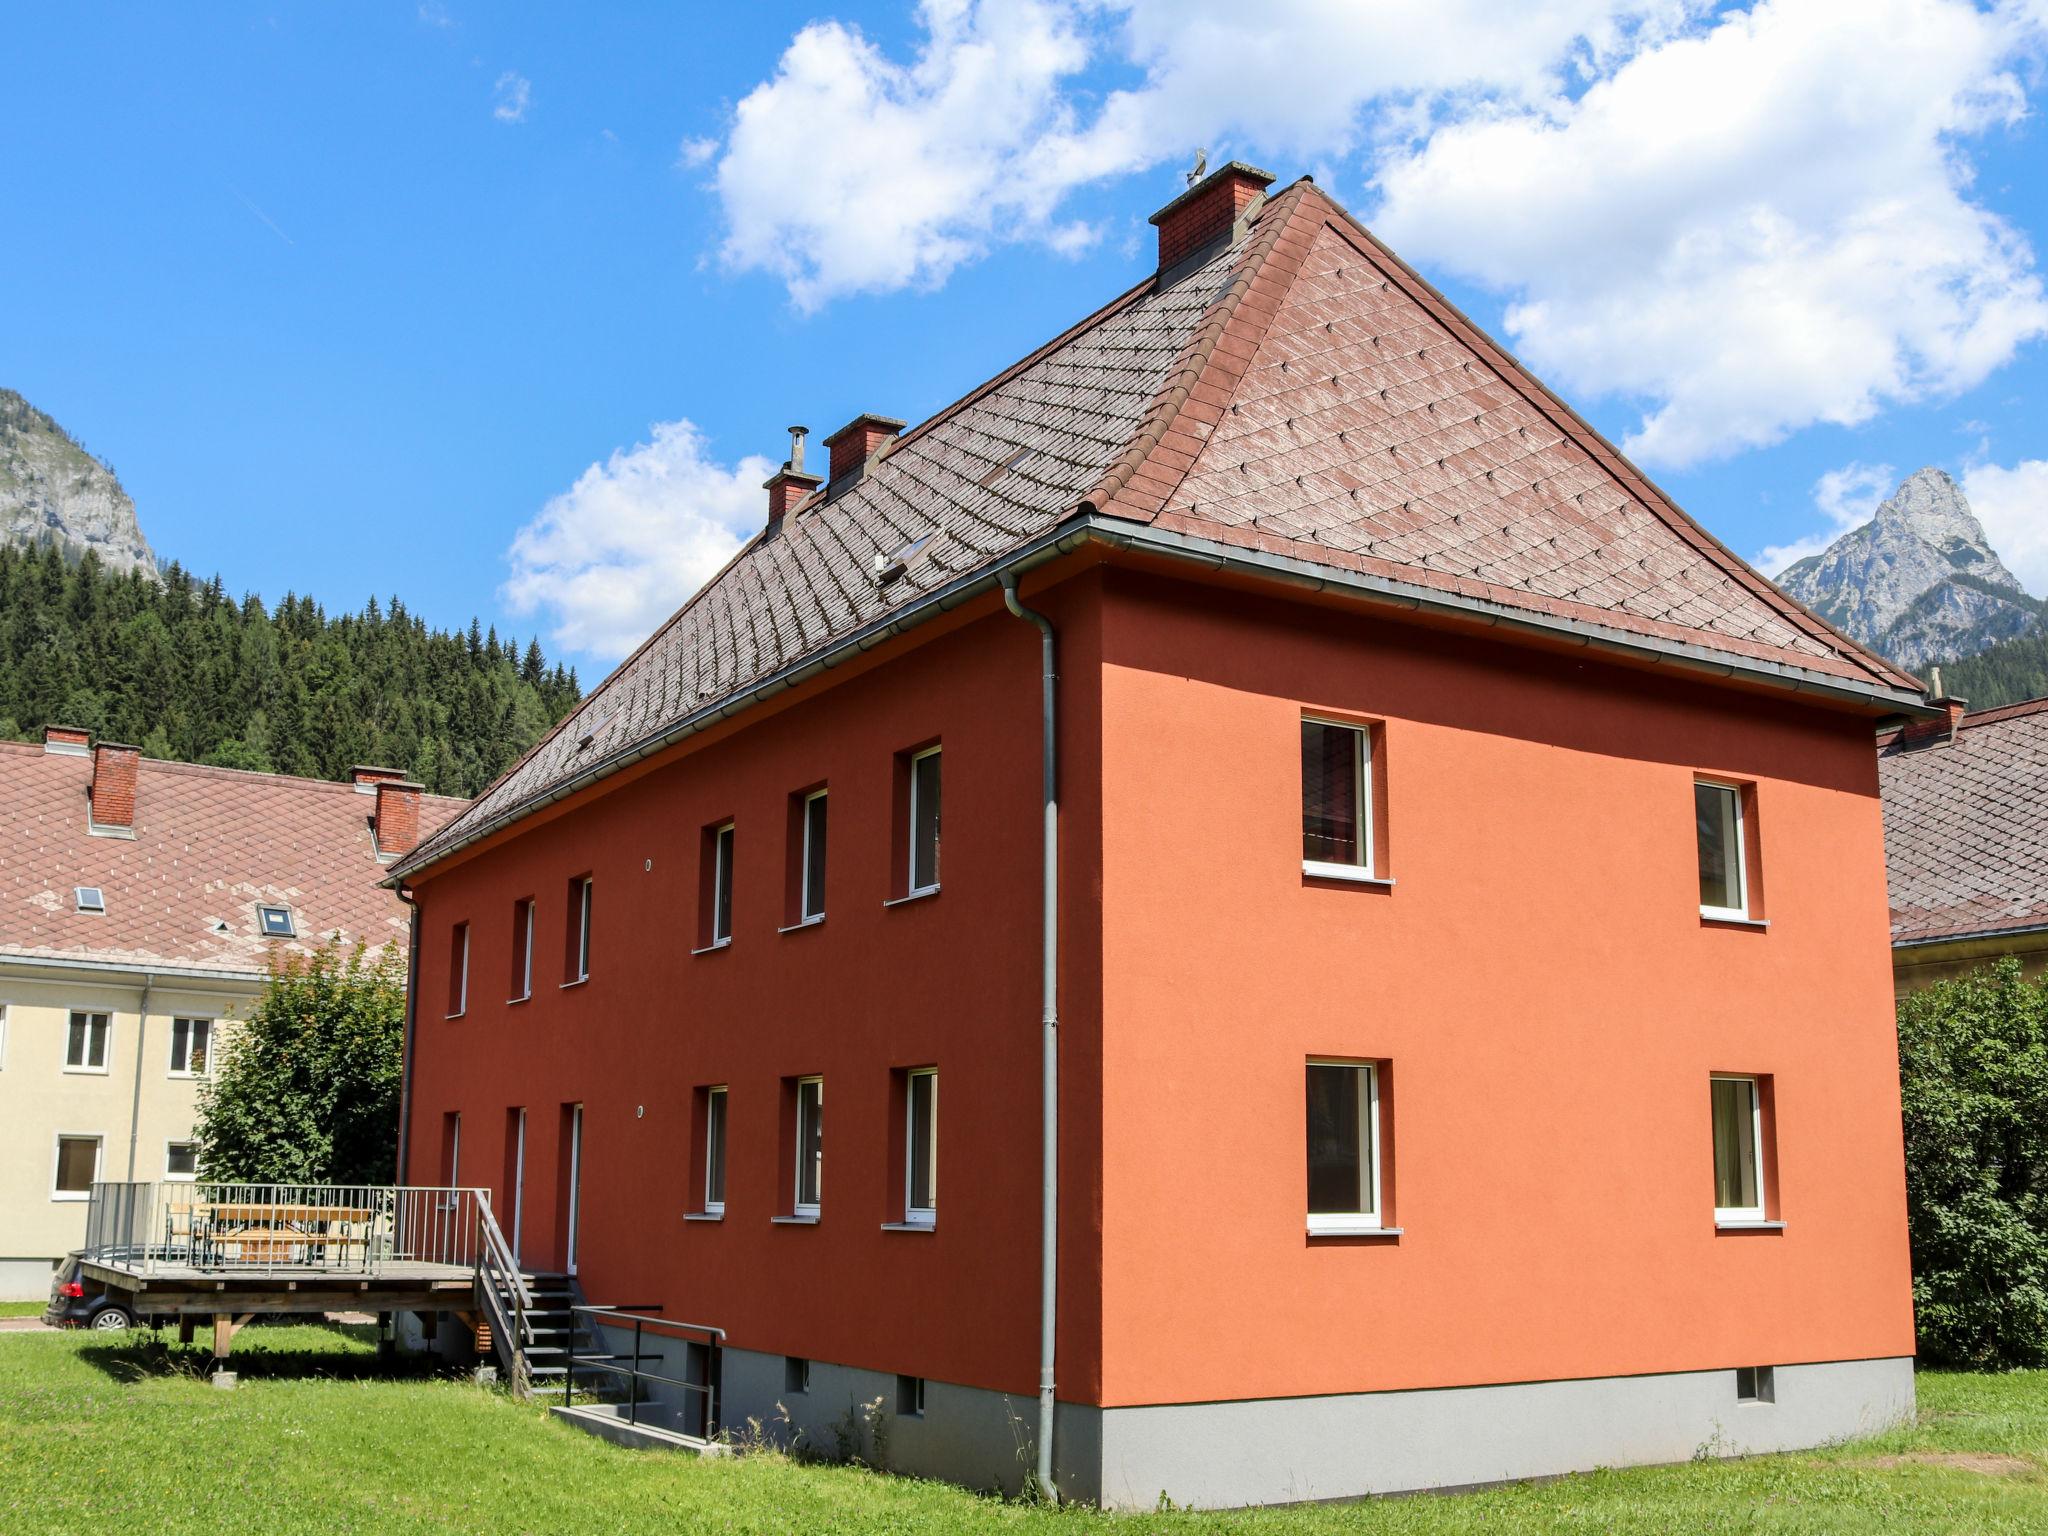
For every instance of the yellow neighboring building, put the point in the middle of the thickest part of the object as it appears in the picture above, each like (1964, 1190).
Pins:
(1966, 841)
(140, 904)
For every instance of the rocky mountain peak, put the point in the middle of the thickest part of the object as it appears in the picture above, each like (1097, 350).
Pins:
(53, 492)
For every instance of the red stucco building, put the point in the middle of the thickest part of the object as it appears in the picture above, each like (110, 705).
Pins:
(1474, 1037)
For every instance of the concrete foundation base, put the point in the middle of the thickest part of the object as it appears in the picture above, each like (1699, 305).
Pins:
(26, 1279)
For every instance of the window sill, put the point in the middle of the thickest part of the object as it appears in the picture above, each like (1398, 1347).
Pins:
(463, 1014)
(703, 1215)
(87, 1072)
(1350, 874)
(578, 982)
(1742, 1224)
(1351, 1229)
(905, 900)
(794, 1221)
(714, 946)
(64, 1199)
(1731, 919)
(513, 1001)
(800, 926)
(910, 1226)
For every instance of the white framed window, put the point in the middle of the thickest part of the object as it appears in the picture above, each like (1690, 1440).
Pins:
(191, 1047)
(714, 1152)
(810, 1145)
(88, 1041)
(1336, 799)
(721, 884)
(276, 922)
(811, 905)
(921, 1147)
(1718, 821)
(1738, 1149)
(458, 971)
(924, 821)
(75, 1167)
(522, 950)
(1343, 1147)
(90, 898)
(580, 953)
(181, 1161)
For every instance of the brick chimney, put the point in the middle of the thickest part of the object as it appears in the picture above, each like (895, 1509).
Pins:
(854, 444)
(72, 740)
(396, 825)
(114, 768)
(1919, 733)
(789, 484)
(366, 778)
(1208, 210)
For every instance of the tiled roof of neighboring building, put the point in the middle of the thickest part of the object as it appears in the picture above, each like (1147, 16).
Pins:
(210, 846)
(1298, 392)
(1966, 826)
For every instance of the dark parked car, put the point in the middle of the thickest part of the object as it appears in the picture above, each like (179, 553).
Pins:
(76, 1302)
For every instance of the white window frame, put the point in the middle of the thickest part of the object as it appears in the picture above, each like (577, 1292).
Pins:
(1740, 911)
(725, 839)
(186, 1071)
(1745, 1213)
(912, 888)
(107, 1055)
(97, 908)
(798, 1205)
(462, 974)
(716, 1121)
(1351, 1223)
(583, 901)
(810, 904)
(1368, 866)
(291, 921)
(3, 1036)
(181, 1178)
(526, 966)
(99, 1157)
(919, 1215)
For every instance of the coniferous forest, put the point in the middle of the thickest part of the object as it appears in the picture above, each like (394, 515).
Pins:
(2004, 673)
(187, 672)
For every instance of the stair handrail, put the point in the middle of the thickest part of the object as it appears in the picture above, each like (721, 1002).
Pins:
(498, 1275)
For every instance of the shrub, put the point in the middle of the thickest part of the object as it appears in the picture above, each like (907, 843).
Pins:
(1973, 1068)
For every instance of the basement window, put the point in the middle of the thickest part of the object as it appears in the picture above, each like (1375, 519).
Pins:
(276, 922)
(1756, 1384)
(910, 1397)
(90, 898)
(796, 1374)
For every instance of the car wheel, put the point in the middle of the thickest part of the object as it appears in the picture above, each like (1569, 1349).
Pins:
(112, 1319)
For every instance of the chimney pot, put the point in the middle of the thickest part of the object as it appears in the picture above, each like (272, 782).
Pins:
(857, 442)
(112, 797)
(1208, 210)
(396, 825)
(74, 740)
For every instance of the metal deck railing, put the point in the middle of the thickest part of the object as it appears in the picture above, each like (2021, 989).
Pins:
(150, 1228)
(696, 1415)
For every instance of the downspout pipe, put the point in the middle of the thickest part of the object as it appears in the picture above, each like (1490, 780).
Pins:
(412, 987)
(1049, 1020)
(135, 1107)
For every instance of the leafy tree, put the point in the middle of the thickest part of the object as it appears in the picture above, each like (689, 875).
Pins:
(307, 1088)
(1973, 1066)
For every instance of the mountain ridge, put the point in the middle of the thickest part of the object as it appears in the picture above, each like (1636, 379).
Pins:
(53, 492)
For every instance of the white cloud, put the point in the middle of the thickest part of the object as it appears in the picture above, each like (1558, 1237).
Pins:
(1745, 220)
(2012, 504)
(695, 152)
(1846, 497)
(617, 552)
(511, 96)
(433, 13)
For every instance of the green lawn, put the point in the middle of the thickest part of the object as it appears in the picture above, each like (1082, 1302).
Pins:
(115, 1435)
(22, 1308)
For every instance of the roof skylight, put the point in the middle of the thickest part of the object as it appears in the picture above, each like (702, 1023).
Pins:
(276, 922)
(90, 898)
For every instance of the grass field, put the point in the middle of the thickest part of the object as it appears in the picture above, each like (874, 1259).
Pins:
(118, 1434)
(22, 1308)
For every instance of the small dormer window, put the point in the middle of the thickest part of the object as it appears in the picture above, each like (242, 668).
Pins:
(276, 922)
(90, 898)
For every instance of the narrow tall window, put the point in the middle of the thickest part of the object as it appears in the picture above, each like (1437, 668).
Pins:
(812, 904)
(721, 885)
(458, 970)
(78, 1165)
(522, 949)
(1717, 814)
(924, 821)
(578, 958)
(191, 1046)
(1738, 1150)
(921, 1149)
(85, 1046)
(1336, 799)
(810, 1145)
(1343, 1147)
(714, 1152)
(451, 1147)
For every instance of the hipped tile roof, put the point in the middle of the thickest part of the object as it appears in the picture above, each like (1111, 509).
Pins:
(1297, 391)
(1966, 826)
(210, 846)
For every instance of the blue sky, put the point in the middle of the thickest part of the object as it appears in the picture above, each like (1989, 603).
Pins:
(505, 308)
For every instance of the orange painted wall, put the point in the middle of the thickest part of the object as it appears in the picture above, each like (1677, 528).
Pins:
(1540, 980)
(951, 981)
